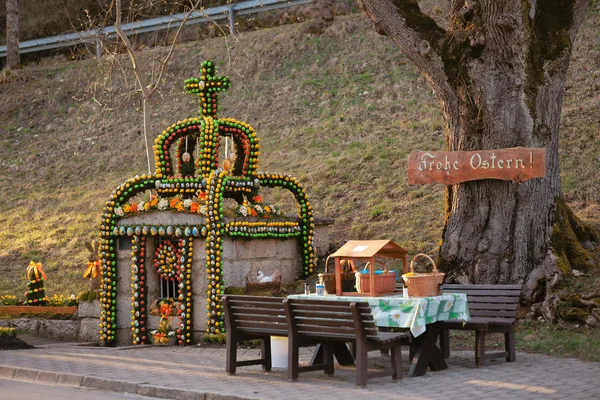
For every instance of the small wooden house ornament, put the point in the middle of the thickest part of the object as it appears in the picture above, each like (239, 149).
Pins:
(367, 250)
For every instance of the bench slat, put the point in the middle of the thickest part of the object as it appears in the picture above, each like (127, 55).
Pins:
(260, 325)
(493, 313)
(486, 293)
(478, 321)
(266, 318)
(264, 302)
(332, 307)
(257, 311)
(324, 313)
(481, 287)
(264, 332)
(491, 299)
(327, 322)
(494, 306)
(307, 327)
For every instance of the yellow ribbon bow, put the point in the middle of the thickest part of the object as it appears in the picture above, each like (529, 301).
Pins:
(93, 269)
(37, 269)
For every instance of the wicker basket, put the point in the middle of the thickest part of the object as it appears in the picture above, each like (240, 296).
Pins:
(385, 282)
(328, 278)
(255, 287)
(422, 285)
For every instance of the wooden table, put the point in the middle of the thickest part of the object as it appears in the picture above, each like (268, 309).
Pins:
(420, 314)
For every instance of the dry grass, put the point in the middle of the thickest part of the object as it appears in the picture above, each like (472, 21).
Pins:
(341, 112)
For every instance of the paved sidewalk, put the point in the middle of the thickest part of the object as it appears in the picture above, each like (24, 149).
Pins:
(199, 373)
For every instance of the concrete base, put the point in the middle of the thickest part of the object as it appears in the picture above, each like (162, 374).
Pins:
(89, 330)
(89, 309)
(59, 329)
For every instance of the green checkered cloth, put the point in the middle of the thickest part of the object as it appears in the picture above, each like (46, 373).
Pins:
(414, 313)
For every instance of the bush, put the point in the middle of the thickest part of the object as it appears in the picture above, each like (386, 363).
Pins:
(89, 295)
(8, 332)
(214, 338)
(9, 300)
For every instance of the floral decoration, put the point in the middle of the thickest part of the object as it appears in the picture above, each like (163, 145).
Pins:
(8, 300)
(164, 332)
(62, 300)
(256, 209)
(162, 204)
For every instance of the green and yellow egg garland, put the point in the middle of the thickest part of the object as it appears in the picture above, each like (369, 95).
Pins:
(138, 289)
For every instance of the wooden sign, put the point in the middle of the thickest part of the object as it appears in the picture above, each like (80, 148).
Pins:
(449, 167)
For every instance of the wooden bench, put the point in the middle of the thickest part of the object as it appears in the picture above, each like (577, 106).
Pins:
(330, 322)
(255, 318)
(493, 309)
(251, 318)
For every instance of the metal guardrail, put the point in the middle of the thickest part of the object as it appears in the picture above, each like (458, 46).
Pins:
(94, 36)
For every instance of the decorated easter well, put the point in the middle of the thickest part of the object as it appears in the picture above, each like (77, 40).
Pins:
(166, 235)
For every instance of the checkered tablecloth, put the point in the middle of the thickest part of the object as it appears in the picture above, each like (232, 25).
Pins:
(413, 313)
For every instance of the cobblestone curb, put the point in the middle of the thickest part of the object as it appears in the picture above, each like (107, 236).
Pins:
(109, 385)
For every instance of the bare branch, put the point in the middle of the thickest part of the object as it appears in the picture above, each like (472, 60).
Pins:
(128, 47)
(163, 68)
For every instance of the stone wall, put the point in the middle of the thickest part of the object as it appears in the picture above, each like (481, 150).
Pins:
(64, 330)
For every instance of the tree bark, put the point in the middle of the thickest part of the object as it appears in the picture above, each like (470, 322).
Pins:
(12, 34)
(499, 72)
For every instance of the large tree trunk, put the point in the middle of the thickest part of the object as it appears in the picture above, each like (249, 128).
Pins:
(499, 72)
(12, 34)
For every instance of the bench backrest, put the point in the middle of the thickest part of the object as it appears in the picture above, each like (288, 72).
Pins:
(255, 314)
(500, 302)
(330, 319)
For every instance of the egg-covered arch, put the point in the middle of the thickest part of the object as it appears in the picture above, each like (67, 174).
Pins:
(200, 196)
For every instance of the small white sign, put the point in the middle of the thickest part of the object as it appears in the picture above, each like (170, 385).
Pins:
(360, 248)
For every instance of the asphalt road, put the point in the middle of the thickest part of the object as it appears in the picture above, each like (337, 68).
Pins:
(17, 390)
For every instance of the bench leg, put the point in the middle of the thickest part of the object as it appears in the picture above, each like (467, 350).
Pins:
(293, 359)
(265, 348)
(396, 360)
(361, 364)
(445, 342)
(230, 363)
(384, 352)
(509, 345)
(328, 358)
(480, 348)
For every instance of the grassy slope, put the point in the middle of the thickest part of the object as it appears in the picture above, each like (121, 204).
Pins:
(341, 112)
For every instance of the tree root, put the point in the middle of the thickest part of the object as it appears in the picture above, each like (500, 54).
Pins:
(566, 253)
(568, 234)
